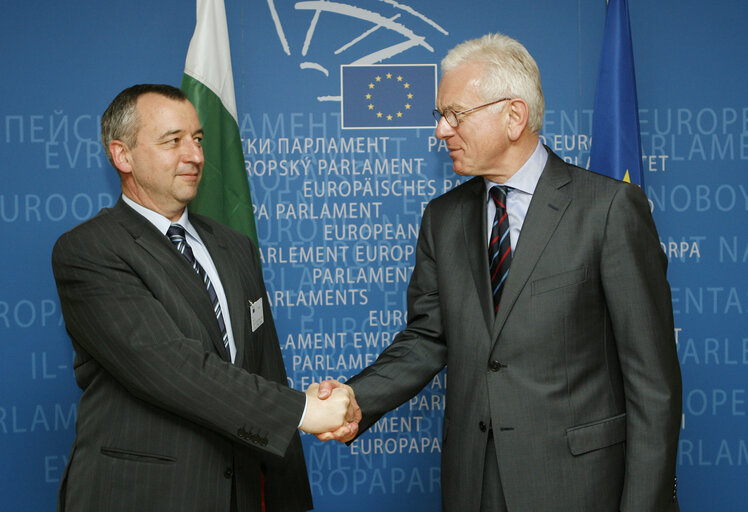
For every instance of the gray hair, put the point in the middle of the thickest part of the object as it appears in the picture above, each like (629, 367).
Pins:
(120, 119)
(509, 70)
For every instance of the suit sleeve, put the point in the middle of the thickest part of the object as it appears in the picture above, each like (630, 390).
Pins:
(633, 269)
(120, 326)
(417, 353)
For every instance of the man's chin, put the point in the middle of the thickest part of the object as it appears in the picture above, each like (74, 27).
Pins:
(187, 195)
(460, 170)
(456, 165)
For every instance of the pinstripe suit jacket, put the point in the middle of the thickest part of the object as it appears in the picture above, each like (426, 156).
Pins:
(165, 421)
(577, 373)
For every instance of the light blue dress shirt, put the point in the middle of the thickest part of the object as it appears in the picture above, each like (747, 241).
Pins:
(522, 186)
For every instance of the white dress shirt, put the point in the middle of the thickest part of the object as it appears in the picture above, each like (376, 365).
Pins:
(201, 255)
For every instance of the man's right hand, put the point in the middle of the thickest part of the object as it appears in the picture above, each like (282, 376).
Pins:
(347, 432)
(326, 415)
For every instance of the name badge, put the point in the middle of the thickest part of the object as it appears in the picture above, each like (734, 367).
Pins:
(256, 313)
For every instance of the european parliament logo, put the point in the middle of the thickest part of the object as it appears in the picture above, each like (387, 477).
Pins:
(388, 96)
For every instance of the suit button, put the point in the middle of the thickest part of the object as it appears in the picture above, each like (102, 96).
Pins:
(228, 473)
(482, 426)
(494, 366)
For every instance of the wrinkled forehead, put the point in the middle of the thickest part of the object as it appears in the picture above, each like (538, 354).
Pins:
(459, 88)
(159, 114)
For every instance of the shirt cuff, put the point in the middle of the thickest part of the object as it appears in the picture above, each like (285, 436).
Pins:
(303, 414)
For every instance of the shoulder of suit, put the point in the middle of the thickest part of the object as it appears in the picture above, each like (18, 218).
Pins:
(103, 218)
(92, 236)
(220, 230)
(579, 173)
(589, 179)
(465, 190)
(201, 221)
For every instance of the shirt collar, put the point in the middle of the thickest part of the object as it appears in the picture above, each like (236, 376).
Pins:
(159, 221)
(527, 177)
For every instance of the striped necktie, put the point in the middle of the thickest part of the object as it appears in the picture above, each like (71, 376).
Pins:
(500, 245)
(177, 236)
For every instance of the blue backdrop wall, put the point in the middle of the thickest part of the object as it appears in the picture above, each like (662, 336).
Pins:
(338, 209)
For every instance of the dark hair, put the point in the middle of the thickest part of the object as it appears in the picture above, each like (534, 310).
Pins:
(120, 120)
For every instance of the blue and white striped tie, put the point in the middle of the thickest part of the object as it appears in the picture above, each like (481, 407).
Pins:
(177, 236)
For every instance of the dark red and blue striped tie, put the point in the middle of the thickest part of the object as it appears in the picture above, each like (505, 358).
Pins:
(499, 246)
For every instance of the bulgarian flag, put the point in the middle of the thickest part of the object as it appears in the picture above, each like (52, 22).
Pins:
(209, 84)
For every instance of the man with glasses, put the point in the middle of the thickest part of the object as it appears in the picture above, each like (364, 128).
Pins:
(542, 288)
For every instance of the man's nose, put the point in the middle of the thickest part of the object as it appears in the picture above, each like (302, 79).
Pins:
(443, 129)
(193, 152)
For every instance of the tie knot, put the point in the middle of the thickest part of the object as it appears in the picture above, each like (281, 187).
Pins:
(176, 233)
(498, 194)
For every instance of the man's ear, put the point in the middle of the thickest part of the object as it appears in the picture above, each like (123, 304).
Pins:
(518, 116)
(120, 156)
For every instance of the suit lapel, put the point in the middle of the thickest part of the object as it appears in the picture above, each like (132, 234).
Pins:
(547, 207)
(230, 280)
(176, 269)
(474, 229)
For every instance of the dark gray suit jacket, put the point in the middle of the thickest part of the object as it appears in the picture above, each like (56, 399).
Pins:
(165, 421)
(577, 373)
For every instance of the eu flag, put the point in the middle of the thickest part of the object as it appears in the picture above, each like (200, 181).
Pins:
(616, 142)
(388, 96)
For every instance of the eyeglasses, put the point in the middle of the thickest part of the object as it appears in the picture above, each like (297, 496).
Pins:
(451, 115)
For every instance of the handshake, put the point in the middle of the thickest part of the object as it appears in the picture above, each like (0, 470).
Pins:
(331, 412)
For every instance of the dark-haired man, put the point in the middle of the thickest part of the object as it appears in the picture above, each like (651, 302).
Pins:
(185, 404)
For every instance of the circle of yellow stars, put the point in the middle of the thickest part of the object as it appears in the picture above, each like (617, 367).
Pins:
(400, 80)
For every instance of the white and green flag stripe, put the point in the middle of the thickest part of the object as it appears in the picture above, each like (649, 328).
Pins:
(209, 84)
